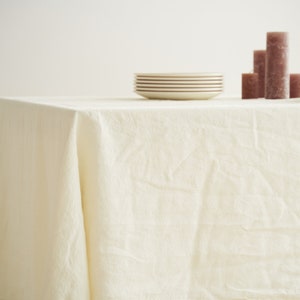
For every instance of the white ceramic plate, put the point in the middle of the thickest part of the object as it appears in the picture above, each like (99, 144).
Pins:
(176, 86)
(177, 82)
(204, 74)
(179, 90)
(178, 95)
(178, 78)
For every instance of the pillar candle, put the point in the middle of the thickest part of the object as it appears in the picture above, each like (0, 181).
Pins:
(249, 86)
(294, 85)
(259, 59)
(277, 76)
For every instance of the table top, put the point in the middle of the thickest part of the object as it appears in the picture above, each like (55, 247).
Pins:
(98, 103)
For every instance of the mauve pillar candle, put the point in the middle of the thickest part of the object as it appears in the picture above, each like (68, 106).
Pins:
(259, 60)
(294, 85)
(249, 86)
(277, 76)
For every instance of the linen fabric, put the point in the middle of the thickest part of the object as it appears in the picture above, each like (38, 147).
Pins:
(139, 199)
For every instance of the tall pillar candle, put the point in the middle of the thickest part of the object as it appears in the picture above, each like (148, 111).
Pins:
(249, 86)
(294, 85)
(277, 75)
(259, 59)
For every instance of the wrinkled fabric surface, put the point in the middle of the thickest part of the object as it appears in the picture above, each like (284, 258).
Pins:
(132, 199)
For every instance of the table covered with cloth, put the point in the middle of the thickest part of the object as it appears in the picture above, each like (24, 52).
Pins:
(133, 199)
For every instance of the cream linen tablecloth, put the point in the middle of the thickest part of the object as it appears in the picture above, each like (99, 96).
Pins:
(161, 200)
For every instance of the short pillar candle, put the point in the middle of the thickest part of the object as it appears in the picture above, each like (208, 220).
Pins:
(259, 60)
(249, 86)
(277, 76)
(294, 85)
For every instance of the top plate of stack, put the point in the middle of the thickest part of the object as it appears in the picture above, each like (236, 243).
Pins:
(179, 86)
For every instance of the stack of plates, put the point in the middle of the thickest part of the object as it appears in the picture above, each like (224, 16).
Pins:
(179, 86)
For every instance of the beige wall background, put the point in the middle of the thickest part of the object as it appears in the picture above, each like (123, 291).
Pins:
(93, 48)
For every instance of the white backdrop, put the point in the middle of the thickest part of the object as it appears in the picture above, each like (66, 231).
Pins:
(93, 47)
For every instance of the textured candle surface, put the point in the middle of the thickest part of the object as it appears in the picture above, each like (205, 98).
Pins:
(259, 59)
(249, 86)
(294, 85)
(277, 76)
